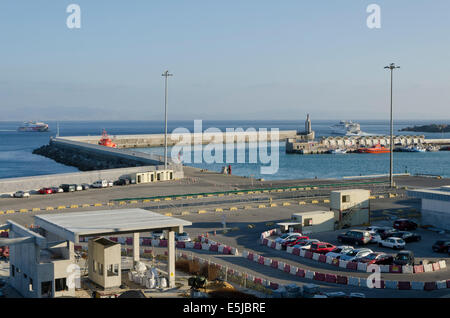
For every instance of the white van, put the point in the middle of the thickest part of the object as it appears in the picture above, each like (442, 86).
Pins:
(100, 184)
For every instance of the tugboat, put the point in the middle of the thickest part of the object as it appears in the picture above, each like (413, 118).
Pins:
(375, 149)
(106, 141)
(33, 126)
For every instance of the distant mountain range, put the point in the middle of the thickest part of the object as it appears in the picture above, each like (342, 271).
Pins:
(433, 128)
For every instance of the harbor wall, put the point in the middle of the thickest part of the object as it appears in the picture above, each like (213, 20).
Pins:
(157, 140)
(11, 185)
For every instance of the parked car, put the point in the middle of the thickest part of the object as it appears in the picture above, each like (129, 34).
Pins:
(392, 242)
(404, 225)
(292, 241)
(407, 236)
(57, 189)
(68, 187)
(339, 251)
(122, 182)
(404, 258)
(307, 244)
(110, 184)
(286, 236)
(357, 237)
(441, 246)
(157, 235)
(78, 187)
(377, 258)
(182, 237)
(46, 191)
(86, 186)
(100, 184)
(21, 194)
(354, 254)
(321, 247)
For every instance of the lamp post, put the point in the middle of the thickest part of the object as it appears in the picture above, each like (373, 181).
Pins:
(166, 75)
(391, 67)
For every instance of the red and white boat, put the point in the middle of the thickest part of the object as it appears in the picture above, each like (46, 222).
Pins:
(106, 141)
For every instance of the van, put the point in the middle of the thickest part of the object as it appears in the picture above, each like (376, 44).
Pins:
(100, 184)
(357, 237)
(68, 187)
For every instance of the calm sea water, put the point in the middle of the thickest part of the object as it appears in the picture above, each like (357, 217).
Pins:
(16, 159)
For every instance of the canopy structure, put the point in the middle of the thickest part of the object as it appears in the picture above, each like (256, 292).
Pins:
(72, 226)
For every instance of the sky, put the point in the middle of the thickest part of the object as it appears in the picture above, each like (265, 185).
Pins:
(233, 59)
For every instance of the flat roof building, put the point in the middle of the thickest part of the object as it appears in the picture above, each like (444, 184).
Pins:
(435, 206)
(40, 262)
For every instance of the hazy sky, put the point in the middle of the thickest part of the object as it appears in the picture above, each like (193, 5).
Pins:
(231, 59)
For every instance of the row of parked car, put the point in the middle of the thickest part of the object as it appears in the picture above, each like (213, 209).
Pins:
(179, 237)
(344, 252)
(76, 187)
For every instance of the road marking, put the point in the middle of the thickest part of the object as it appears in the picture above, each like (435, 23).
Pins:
(314, 201)
(185, 213)
(36, 209)
(122, 203)
(219, 210)
(233, 208)
(74, 206)
(98, 204)
(201, 211)
(302, 202)
(49, 208)
(61, 207)
(272, 205)
(261, 206)
(10, 211)
(86, 205)
(286, 203)
(168, 214)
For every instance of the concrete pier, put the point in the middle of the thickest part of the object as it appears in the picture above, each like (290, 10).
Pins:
(157, 140)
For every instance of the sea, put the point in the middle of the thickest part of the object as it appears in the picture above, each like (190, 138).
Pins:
(17, 160)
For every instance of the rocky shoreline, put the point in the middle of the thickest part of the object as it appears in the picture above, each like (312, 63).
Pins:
(433, 128)
(82, 161)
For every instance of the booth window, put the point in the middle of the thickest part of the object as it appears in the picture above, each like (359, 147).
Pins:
(345, 198)
(60, 284)
(307, 222)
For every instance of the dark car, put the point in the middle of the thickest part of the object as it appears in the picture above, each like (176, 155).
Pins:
(69, 187)
(121, 182)
(404, 258)
(85, 186)
(387, 233)
(441, 246)
(377, 258)
(404, 225)
(357, 237)
(407, 236)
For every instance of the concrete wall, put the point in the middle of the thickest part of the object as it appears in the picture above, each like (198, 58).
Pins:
(357, 198)
(436, 213)
(157, 140)
(12, 185)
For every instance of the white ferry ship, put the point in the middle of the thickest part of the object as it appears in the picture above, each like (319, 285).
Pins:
(33, 126)
(347, 128)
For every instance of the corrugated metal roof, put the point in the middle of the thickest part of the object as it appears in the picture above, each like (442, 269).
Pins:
(73, 225)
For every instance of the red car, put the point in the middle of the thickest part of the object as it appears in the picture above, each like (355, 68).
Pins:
(295, 241)
(46, 191)
(377, 258)
(321, 247)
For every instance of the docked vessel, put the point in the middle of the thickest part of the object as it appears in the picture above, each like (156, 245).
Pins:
(33, 126)
(337, 151)
(106, 141)
(347, 128)
(375, 149)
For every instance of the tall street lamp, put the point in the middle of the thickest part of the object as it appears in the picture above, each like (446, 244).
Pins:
(166, 75)
(391, 67)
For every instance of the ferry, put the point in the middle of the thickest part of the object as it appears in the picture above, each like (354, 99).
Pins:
(375, 149)
(106, 141)
(33, 126)
(347, 128)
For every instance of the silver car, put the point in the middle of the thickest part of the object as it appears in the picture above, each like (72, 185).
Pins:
(356, 253)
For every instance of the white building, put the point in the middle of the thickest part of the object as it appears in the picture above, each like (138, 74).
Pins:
(435, 206)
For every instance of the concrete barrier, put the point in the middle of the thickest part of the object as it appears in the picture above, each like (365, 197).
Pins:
(267, 261)
(302, 253)
(319, 276)
(417, 285)
(300, 272)
(329, 260)
(442, 284)
(293, 270)
(430, 286)
(341, 279)
(385, 268)
(281, 266)
(309, 274)
(278, 246)
(354, 281)
(352, 266)
(331, 278)
(418, 269)
(395, 269)
(436, 266)
(390, 284)
(274, 264)
(315, 256)
(407, 269)
(443, 264)
(289, 249)
(404, 285)
(343, 264)
(362, 267)
(428, 268)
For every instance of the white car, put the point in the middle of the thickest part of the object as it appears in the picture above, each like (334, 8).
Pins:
(157, 235)
(110, 184)
(356, 253)
(21, 194)
(339, 251)
(286, 236)
(376, 238)
(392, 242)
(100, 184)
(308, 243)
(182, 237)
(79, 187)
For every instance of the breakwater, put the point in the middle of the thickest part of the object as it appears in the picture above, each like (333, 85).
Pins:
(157, 140)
